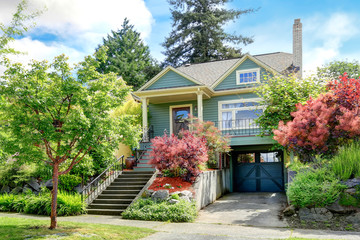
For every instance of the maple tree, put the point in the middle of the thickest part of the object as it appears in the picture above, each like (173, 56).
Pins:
(174, 154)
(323, 124)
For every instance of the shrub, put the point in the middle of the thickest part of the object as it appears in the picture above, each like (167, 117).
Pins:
(146, 209)
(215, 141)
(68, 182)
(346, 164)
(314, 188)
(175, 154)
(323, 124)
(68, 204)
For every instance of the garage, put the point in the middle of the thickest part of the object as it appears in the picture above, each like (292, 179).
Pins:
(258, 171)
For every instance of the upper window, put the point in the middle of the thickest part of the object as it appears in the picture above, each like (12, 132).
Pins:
(247, 76)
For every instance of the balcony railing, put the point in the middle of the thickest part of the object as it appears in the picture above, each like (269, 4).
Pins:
(239, 127)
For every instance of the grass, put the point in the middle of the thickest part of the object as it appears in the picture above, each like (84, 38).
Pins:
(12, 228)
(346, 163)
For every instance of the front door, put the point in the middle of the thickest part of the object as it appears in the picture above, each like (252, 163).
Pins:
(180, 119)
(258, 172)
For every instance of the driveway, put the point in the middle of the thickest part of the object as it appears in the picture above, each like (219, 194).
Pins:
(251, 209)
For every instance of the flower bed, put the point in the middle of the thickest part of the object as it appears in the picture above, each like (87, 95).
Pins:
(173, 184)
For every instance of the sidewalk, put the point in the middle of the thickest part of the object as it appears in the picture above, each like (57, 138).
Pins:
(201, 231)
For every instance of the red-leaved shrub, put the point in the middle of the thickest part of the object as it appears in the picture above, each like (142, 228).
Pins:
(323, 124)
(185, 153)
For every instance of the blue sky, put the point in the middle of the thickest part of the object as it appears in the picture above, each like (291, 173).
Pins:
(331, 29)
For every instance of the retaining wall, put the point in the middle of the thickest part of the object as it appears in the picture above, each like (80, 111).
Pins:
(211, 185)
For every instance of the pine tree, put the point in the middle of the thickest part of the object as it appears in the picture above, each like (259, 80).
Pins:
(198, 34)
(128, 56)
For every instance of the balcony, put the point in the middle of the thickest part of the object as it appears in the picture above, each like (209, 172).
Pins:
(238, 127)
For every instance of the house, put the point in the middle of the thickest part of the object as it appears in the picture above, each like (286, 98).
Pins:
(223, 92)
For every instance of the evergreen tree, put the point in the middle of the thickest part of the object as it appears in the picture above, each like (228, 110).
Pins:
(198, 34)
(128, 56)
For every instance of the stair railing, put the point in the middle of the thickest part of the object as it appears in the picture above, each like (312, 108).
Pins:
(101, 182)
(147, 136)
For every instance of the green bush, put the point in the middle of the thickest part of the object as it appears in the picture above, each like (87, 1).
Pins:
(68, 204)
(314, 188)
(346, 164)
(146, 209)
(68, 182)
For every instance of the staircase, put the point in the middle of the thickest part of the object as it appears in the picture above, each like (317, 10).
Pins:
(120, 193)
(143, 164)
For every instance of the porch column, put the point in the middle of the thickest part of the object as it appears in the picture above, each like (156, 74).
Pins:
(200, 105)
(144, 119)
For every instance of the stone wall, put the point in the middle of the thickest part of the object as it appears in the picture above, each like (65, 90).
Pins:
(211, 185)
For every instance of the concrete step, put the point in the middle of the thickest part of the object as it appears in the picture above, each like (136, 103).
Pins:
(136, 173)
(107, 206)
(144, 161)
(129, 183)
(111, 192)
(144, 165)
(117, 196)
(112, 201)
(139, 176)
(105, 211)
(131, 180)
(132, 187)
(141, 169)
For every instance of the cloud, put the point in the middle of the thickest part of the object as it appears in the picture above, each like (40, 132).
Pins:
(325, 36)
(76, 26)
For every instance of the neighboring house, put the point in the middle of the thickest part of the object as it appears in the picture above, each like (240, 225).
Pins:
(223, 92)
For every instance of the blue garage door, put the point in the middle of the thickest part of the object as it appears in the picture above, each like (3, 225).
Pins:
(258, 172)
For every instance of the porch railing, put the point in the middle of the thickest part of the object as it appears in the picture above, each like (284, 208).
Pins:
(101, 182)
(238, 127)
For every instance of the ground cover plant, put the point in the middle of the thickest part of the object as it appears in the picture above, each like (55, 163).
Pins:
(314, 188)
(13, 228)
(147, 209)
(68, 204)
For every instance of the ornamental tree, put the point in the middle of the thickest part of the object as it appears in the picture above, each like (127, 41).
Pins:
(215, 141)
(280, 94)
(323, 124)
(57, 114)
(174, 154)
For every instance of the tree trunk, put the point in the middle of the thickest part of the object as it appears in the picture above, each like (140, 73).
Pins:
(54, 193)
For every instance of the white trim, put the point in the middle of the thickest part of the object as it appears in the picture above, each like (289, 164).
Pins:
(243, 100)
(171, 116)
(251, 70)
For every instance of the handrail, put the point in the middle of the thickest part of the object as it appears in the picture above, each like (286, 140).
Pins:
(96, 186)
(238, 127)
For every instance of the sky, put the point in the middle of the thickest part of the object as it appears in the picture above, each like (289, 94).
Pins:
(331, 28)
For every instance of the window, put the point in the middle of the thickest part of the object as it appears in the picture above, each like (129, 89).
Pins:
(248, 76)
(239, 114)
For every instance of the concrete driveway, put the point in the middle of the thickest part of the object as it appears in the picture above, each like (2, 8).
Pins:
(251, 209)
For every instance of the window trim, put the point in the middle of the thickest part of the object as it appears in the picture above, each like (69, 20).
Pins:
(233, 110)
(238, 72)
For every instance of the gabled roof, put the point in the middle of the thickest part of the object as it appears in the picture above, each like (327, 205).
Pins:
(210, 72)
(279, 61)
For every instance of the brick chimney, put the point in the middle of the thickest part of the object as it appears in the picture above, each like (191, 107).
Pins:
(297, 45)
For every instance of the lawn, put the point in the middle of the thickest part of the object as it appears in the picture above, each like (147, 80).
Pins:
(20, 228)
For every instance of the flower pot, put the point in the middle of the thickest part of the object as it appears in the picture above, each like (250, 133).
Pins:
(129, 162)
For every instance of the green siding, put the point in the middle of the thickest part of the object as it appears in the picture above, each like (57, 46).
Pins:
(160, 116)
(210, 106)
(230, 81)
(171, 80)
